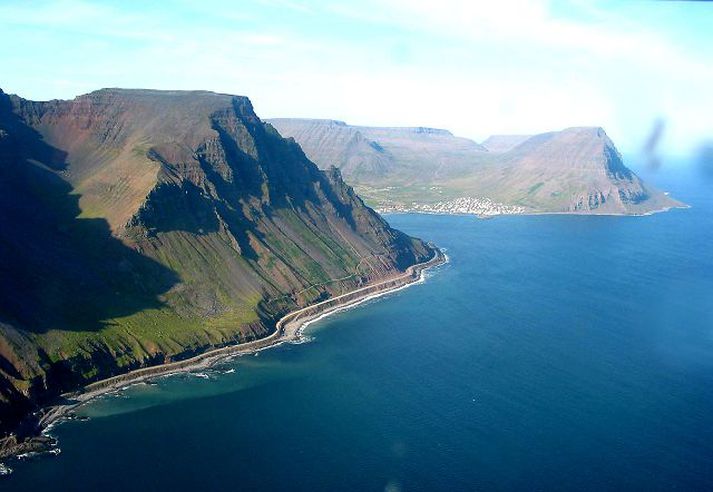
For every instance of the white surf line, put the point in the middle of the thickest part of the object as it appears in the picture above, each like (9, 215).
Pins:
(359, 301)
(283, 323)
(56, 414)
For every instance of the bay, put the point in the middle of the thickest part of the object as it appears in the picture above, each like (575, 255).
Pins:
(550, 353)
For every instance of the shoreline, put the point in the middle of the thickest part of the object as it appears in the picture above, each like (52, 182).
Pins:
(288, 328)
(649, 213)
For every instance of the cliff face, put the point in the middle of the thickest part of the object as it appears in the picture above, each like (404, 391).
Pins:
(144, 226)
(576, 170)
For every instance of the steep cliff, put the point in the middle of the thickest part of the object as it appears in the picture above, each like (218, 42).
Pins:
(576, 170)
(143, 226)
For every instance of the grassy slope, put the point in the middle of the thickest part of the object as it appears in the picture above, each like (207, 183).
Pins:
(154, 225)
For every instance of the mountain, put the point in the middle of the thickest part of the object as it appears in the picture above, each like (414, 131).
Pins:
(366, 154)
(573, 170)
(576, 170)
(503, 143)
(343, 145)
(139, 227)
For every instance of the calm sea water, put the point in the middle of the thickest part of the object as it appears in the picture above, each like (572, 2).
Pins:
(551, 353)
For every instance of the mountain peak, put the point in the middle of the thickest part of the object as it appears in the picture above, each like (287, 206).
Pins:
(593, 131)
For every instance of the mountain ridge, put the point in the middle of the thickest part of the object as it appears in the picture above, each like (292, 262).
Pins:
(575, 170)
(141, 227)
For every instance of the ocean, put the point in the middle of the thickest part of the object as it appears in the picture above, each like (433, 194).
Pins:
(550, 353)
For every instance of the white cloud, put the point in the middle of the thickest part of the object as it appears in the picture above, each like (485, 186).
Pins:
(473, 67)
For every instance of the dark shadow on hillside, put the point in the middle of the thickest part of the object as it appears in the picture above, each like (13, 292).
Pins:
(178, 207)
(58, 271)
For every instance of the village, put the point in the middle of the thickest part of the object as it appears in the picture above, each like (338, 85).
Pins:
(482, 207)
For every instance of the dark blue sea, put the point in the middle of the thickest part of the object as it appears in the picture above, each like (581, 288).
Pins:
(550, 353)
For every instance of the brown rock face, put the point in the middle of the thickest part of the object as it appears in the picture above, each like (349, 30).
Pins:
(142, 226)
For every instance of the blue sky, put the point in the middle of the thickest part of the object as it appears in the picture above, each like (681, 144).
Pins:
(473, 68)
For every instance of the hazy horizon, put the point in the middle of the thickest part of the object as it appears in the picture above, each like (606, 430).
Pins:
(512, 68)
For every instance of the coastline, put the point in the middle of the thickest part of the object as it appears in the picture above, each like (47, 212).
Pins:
(648, 213)
(288, 328)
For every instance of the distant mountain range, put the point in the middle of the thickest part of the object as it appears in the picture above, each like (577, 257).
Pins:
(576, 170)
(139, 227)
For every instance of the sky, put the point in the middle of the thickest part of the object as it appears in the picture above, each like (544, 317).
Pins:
(475, 68)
